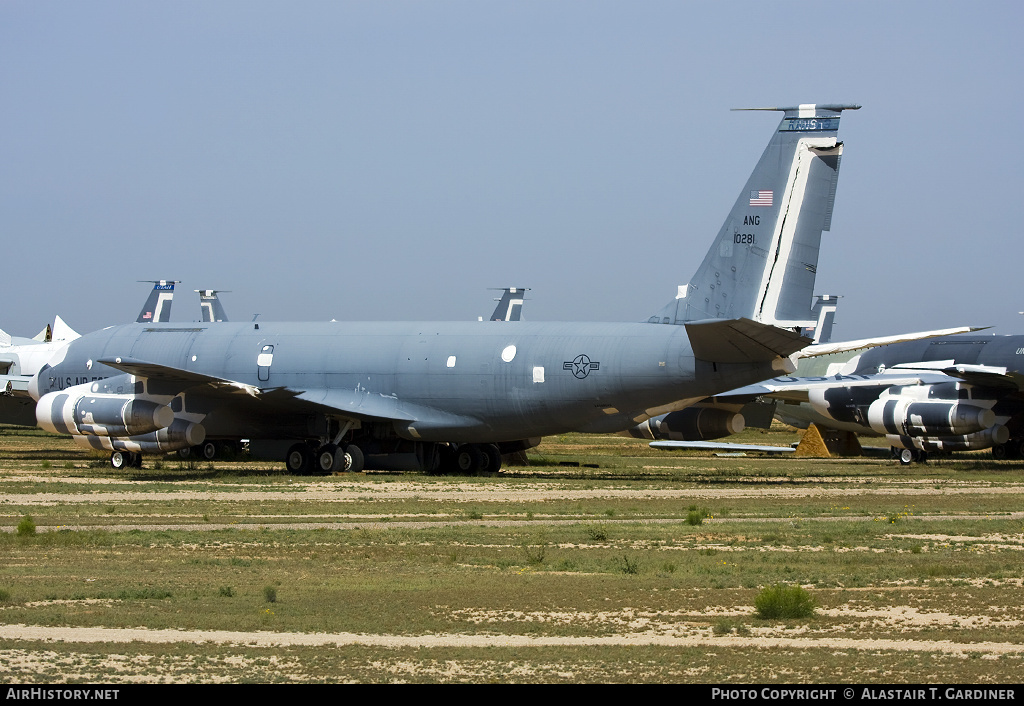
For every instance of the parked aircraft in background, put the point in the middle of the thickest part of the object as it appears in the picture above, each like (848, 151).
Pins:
(158, 307)
(209, 305)
(326, 396)
(756, 405)
(21, 358)
(950, 393)
(510, 305)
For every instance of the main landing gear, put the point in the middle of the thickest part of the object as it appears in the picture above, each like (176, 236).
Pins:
(909, 456)
(125, 459)
(470, 459)
(1014, 448)
(302, 459)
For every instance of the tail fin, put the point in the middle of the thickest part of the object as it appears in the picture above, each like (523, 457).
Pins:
(62, 332)
(824, 312)
(763, 262)
(209, 305)
(510, 306)
(158, 307)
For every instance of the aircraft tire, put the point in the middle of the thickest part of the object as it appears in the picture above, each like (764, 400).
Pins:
(354, 460)
(469, 459)
(905, 456)
(492, 454)
(120, 459)
(299, 460)
(1000, 452)
(136, 460)
(208, 451)
(328, 459)
(445, 461)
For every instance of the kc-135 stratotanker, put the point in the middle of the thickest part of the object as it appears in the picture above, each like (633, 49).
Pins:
(432, 396)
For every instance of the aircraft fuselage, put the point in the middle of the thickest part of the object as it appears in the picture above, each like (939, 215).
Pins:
(448, 381)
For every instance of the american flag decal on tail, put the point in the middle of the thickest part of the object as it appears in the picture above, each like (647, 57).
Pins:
(761, 198)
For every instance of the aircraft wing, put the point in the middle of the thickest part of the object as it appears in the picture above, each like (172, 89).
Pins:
(167, 380)
(355, 404)
(862, 343)
(723, 446)
(981, 375)
(14, 385)
(797, 389)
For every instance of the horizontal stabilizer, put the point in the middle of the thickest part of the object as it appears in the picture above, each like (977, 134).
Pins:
(742, 341)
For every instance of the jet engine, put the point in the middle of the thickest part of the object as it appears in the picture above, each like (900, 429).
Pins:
(180, 434)
(101, 414)
(993, 436)
(116, 422)
(691, 424)
(908, 417)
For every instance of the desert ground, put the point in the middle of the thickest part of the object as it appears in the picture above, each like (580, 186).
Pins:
(602, 560)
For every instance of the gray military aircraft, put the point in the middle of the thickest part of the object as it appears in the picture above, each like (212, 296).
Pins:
(333, 396)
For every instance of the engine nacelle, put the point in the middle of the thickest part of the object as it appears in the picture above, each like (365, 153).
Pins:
(845, 404)
(99, 414)
(691, 424)
(938, 418)
(180, 434)
(967, 442)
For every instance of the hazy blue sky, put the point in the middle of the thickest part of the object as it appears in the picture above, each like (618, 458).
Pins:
(393, 160)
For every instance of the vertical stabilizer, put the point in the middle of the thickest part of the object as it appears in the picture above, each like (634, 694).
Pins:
(824, 312)
(763, 263)
(158, 307)
(510, 306)
(209, 305)
(62, 332)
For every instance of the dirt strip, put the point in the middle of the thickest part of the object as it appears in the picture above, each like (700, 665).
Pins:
(475, 493)
(400, 524)
(269, 639)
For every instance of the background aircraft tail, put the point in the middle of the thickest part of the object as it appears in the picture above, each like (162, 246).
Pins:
(824, 312)
(210, 307)
(510, 306)
(158, 307)
(763, 263)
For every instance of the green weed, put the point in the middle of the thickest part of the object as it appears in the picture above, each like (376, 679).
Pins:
(27, 527)
(779, 602)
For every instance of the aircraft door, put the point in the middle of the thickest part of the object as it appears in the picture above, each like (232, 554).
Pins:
(263, 362)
